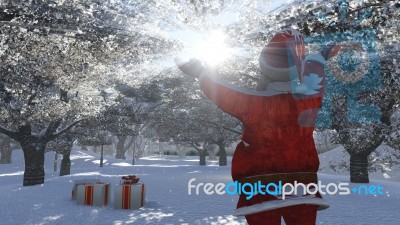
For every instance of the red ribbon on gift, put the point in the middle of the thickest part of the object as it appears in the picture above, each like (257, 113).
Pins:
(89, 195)
(126, 197)
(142, 202)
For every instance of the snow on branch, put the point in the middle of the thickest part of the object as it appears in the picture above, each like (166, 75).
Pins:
(51, 128)
(55, 135)
(223, 127)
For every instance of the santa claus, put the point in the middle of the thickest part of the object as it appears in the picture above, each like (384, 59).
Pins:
(277, 142)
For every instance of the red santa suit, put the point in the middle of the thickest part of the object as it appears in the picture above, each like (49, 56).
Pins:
(277, 141)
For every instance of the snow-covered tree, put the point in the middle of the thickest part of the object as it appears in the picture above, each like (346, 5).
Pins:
(96, 138)
(325, 140)
(40, 85)
(189, 119)
(63, 145)
(393, 139)
(358, 137)
(132, 114)
(54, 57)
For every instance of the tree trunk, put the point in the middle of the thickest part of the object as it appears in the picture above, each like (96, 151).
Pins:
(222, 153)
(101, 155)
(65, 168)
(5, 150)
(34, 147)
(161, 149)
(55, 161)
(133, 153)
(34, 163)
(120, 151)
(359, 139)
(180, 151)
(212, 154)
(202, 155)
(359, 169)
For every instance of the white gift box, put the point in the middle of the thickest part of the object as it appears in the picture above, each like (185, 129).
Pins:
(93, 194)
(82, 182)
(129, 196)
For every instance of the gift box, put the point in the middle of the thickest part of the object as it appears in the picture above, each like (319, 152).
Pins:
(129, 196)
(81, 182)
(93, 194)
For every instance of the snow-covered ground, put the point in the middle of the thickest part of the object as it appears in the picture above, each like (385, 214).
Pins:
(167, 199)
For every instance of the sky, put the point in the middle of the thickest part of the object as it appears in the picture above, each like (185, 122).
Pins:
(209, 46)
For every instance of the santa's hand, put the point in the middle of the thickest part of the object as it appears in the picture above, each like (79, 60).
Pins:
(192, 68)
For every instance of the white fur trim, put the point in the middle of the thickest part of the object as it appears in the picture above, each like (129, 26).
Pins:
(212, 75)
(275, 73)
(276, 204)
(284, 74)
(246, 144)
(316, 57)
(273, 88)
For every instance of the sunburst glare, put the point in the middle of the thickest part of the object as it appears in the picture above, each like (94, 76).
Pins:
(210, 48)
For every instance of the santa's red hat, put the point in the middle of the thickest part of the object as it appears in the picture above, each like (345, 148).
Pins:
(285, 50)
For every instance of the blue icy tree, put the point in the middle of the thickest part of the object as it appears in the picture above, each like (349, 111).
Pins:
(363, 82)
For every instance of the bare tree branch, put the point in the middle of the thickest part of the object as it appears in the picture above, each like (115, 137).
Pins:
(31, 98)
(368, 6)
(55, 135)
(51, 128)
(223, 127)
(12, 134)
(196, 146)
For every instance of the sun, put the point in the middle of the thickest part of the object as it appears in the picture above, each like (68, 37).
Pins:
(213, 49)
(210, 48)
